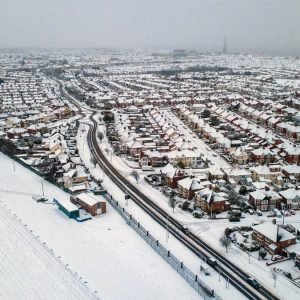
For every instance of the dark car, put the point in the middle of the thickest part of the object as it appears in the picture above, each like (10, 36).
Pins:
(234, 219)
(212, 262)
(253, 282)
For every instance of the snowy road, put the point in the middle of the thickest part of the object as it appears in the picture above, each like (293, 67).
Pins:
(105, 251)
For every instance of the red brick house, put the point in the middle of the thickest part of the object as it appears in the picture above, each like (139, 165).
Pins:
(89, 203)
(273, 237)
(171, 175)
(187, 187)
(211, 201)
(292, 155)
(262, 156)
(265, 200)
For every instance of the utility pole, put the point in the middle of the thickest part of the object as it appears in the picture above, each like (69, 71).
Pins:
(283, 215)
(43, 188)
(126, 196)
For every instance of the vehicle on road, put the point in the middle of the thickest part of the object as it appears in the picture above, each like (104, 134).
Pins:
(212, 262)
(253, 282)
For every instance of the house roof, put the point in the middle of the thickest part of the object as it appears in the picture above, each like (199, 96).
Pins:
(273, 231)
(88, 199)
(190, 184)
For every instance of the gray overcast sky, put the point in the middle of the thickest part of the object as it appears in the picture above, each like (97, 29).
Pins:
(270, 26)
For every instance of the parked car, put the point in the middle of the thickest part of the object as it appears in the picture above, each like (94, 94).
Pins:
(285, 213)
(147, 168)
(277, 212)
(253, 282)
(292, 212)
(276, 257)
(236, 213)
(234, 219)
(250, 211)
(258, 212)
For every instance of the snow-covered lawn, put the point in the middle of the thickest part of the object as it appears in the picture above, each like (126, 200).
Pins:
(29, 269)
(104, 251)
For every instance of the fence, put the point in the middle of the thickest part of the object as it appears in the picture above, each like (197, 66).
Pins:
(195, 282)
(202, 288)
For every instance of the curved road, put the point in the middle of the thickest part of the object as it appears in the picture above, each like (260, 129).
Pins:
(236, 276)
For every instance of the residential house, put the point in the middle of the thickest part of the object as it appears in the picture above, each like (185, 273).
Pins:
(265, 199)
(212, 202)
(273, 237)
(187, 187)
(291, 198)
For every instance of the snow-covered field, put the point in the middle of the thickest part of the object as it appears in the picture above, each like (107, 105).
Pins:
(29, 269)
(104, 251)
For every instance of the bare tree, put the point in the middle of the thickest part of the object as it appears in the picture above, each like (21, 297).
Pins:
(100, 136)
(136, 175)
(172, 201)
(274, 275)
(262, 253)
(93, 161)
(225, 242)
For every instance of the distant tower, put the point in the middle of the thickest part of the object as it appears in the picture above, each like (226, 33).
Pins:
(225, 46)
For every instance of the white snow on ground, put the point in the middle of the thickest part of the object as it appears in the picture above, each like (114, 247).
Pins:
(176, 247)
(30, 270)
(208, 230)
(257, 268)
(104, 251)
(289, 82)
